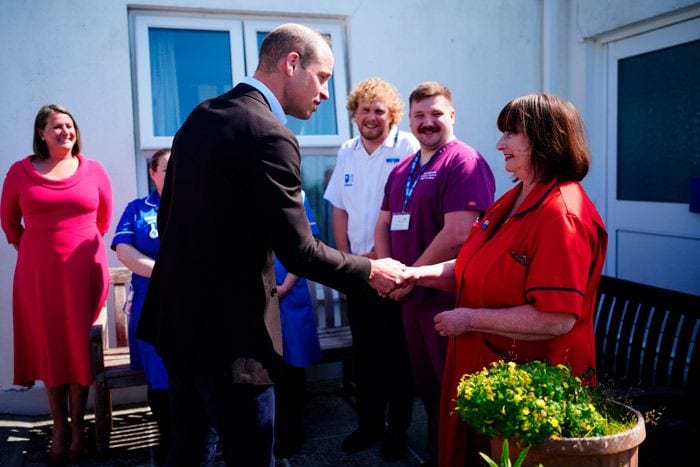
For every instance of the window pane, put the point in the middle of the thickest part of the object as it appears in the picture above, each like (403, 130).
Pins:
(187, 67)
(659, 124)
(323, 121)
(315, 173)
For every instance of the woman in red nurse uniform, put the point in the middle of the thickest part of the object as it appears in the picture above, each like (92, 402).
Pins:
(527, 275)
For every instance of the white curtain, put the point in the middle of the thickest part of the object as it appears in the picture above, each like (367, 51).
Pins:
(166, 100)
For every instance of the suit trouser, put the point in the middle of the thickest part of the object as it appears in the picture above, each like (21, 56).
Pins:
(290, 396)
(383, 377)
(241, 414)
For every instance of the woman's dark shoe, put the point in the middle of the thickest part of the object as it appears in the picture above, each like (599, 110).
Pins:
(56, 458)
(77, 456)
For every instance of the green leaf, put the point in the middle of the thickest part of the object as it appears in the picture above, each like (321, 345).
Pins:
(505, 456)
(490, 462)
(521, 458)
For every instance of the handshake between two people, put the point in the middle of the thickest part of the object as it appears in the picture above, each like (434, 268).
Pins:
(391, 278)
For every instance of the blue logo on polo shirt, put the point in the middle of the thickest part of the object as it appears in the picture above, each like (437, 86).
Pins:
(392, 160)
(348, 179)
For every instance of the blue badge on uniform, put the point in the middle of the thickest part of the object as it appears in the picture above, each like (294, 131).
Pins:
(392, 160)
(348, 179)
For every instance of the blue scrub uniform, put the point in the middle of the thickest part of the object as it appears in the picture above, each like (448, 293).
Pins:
(138, 228)
(299, 333)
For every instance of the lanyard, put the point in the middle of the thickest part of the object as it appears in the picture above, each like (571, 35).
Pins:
(410, 182)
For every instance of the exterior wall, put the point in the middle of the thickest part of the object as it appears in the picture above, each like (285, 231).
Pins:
(77, 53)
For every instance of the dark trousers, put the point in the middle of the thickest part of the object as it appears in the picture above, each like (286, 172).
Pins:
(159, 402)
(241, 414)
(290, 396)
(385, 388)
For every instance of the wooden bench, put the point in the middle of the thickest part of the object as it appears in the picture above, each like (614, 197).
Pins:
(648, 355)
(647, 337)
(109, 346)
(333, 328)
(110, 359)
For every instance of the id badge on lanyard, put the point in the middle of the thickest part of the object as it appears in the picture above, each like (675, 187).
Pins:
(400, 221)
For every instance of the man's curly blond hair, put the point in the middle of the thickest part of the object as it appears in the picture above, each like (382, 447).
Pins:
(374, 88)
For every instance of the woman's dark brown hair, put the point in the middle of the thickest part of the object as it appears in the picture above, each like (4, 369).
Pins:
(556, 133)
(41, 150)
(156, 157)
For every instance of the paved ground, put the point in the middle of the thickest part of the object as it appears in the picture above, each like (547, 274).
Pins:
(329, 417)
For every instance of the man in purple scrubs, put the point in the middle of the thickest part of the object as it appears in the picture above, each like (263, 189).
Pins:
(430, 202)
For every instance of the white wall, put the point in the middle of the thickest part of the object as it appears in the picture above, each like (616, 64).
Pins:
(76, 53)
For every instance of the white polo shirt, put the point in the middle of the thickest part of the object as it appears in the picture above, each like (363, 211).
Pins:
(357, 183)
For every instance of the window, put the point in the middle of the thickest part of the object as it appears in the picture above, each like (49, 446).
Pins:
(316, 172)
(658, 134)
(329, 126)
(181, 79)
(182, 60)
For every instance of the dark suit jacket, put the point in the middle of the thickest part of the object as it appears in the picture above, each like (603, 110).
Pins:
(231, 196)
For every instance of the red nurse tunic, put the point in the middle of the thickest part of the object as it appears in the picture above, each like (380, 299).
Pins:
(549, 254)
(62, 276)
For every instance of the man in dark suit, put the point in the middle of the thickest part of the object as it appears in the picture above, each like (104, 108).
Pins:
(232, 195)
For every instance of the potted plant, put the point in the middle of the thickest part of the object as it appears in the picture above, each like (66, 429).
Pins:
(546, 408)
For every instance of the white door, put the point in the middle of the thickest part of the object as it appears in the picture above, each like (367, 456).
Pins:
(653, 148)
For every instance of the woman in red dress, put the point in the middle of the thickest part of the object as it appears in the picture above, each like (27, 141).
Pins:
(56, 206)
(527, 275)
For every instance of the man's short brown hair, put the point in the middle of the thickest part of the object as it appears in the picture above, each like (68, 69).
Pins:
(429, 89)
(290, 37)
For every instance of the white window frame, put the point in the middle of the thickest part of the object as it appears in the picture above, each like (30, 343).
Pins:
(334, 30)
(142, 22)
(243, 35)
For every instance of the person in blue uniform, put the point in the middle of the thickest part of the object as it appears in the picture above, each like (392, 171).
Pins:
(301, 348)
(136, 243)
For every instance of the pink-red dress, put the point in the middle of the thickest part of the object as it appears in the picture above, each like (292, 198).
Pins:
(62, 277)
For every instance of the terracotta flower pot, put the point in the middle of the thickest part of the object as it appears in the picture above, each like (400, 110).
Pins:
(620, 449)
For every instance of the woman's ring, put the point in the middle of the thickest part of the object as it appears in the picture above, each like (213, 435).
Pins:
(442, 333)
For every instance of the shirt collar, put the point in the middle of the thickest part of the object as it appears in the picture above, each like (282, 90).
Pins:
(538, 194)
(153, 199)
(275, 105)
(390, 141)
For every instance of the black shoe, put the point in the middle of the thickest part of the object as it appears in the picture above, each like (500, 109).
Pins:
(359, 441)
(289, 445)
(395, 446)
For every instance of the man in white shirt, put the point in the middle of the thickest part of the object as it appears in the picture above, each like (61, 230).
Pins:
(383, 377)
